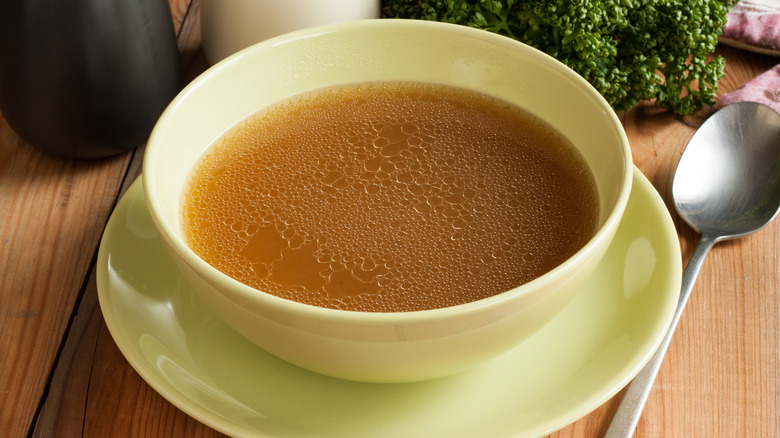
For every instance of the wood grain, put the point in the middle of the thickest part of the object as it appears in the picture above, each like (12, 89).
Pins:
(62, 375)
(53, 212)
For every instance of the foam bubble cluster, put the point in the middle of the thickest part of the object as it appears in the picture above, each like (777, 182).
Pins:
(390, 197)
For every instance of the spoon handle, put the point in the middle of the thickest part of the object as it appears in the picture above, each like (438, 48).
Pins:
(627, 416)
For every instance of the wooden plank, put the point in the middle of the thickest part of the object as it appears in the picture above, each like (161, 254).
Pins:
(53, 211)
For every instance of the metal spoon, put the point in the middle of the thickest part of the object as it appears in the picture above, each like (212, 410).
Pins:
(727, 185)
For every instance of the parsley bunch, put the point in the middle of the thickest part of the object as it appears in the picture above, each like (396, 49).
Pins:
(629, 50)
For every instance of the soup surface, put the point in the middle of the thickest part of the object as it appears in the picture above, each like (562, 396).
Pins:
(389, 197)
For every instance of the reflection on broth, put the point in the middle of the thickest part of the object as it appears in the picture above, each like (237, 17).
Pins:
(390, 197)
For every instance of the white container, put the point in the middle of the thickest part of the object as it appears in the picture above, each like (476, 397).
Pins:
(228, 26)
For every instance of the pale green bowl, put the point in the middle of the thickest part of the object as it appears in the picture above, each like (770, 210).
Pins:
(385, 347)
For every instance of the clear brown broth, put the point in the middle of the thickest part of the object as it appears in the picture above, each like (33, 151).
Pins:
(390, 197)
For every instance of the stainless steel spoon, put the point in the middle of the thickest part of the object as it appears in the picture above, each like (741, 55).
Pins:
(727, 185)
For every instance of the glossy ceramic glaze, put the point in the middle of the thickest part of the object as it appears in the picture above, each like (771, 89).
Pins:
(568, 368)
(402, 346)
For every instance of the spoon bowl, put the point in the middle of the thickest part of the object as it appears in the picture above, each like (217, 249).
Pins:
(726, 185)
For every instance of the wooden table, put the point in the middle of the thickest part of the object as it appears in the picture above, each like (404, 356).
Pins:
(62, 374)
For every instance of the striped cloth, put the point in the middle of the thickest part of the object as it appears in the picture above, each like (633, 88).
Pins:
(755, 25)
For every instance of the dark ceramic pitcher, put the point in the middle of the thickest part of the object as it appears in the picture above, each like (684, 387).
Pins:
(86, 78)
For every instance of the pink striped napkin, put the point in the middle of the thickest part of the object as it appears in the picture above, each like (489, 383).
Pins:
(755, 25)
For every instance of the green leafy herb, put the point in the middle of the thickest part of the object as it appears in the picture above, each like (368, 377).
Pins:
(629, 50)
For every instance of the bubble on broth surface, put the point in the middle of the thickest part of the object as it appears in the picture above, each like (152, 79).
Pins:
(390, 197)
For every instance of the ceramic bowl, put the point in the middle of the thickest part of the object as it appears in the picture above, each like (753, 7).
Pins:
(385, 347)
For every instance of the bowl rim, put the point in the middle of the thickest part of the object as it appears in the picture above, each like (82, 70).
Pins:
(245, 293)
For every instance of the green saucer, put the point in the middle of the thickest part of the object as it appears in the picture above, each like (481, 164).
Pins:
(567, 369)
